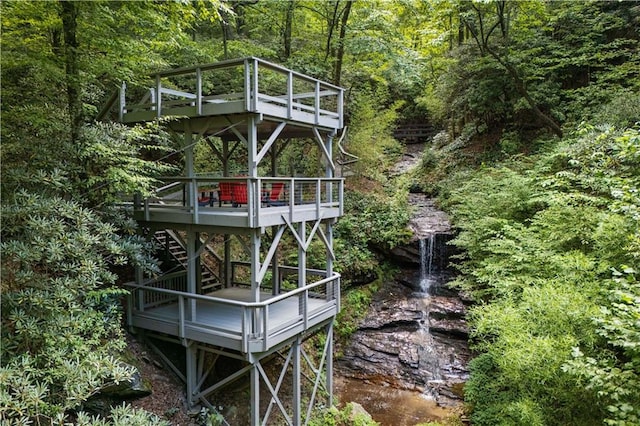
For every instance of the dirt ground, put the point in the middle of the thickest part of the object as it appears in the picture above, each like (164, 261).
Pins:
(167, 400)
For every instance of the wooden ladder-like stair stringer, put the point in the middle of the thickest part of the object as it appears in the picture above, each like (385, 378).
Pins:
(174, 249)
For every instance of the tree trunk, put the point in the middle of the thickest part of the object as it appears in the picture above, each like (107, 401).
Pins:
(225, 37)
(522, 90)
(482, 40)
(337, 71)
(331, 25)
(288, 28)
(69, 16)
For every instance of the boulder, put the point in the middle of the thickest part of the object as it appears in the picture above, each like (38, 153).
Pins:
(130, 389)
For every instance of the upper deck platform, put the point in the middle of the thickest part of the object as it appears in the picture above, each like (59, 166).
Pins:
(234, 87)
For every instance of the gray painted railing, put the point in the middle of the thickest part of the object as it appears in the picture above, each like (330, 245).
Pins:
(254, 84)
(255, 322)
(183, 194)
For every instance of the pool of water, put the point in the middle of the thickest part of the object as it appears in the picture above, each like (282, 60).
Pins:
(389, 406)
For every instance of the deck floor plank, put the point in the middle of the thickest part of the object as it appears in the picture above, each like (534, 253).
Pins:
(228, 318)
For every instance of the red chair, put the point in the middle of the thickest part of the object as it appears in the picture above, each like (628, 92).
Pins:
(274, 195)
(239, 194)
(224, 193)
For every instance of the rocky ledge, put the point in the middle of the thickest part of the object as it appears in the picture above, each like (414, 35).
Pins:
(411, 341)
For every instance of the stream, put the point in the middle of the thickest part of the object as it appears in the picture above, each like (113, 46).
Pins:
(390, 406)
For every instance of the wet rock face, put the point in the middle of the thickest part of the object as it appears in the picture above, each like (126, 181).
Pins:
(427, 223)
(410, 254)
(411, 341)
(415, 334)
(129, 389)
(427, 219)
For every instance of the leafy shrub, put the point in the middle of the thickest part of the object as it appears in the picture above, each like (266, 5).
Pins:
(61, 312)
(539, 240)
(345, 417)
(371, 221)
(613, 370)
(61, 316)
(355, 305)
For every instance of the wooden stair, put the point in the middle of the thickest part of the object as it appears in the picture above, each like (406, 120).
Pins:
(175, 250)
(413, 132)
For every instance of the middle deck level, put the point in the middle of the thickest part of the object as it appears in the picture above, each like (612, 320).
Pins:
(241, 202)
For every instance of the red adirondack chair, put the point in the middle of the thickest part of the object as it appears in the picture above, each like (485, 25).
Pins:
(239, 194)
(274, 195)
(224, 193)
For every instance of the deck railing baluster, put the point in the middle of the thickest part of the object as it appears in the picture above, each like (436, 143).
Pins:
(317, 102)
(181, 317)
(265, 328)
(198, 91)
(318, 197)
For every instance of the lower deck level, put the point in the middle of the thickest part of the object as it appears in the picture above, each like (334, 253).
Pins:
(229, 318)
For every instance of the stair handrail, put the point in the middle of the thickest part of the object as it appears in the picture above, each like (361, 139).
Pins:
(108, 105)
(178, 238)
(354, 158)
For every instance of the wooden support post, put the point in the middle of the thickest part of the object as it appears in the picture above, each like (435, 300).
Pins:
(191, 352)
(122, 108)
(198, 91)
(255, 395)
(158, 96)
(302, 255)
(192, 272)
(296, 397)
(329, 367)
(275, 273)
(188, 166)
(317, 102)
(227, 237)
(255, 265)
(198, 266)
(289, 95)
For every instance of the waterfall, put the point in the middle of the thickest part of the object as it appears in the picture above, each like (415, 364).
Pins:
(426, 261)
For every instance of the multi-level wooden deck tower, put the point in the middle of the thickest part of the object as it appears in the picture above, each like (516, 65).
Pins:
(233, 296)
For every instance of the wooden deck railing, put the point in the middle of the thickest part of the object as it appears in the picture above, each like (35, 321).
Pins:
(253, 317)
(413, 132)
(249, 85)
(241, 272)
(187, 195)
(176, 281)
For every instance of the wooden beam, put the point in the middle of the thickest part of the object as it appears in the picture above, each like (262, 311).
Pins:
(268, 143)
(324, 149)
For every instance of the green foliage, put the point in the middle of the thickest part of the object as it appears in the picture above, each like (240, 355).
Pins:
(60, 312)
(114, 164)
(539, 238)
(370, 134)
(122, 416)
(567, 59)
(387, 215)
(345, 417)
(371, 221)
(355, 304)
(614, 372)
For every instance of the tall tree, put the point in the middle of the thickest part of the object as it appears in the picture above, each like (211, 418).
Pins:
(288, 29)
(339, 51)
(69, 17)
(482, 21)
